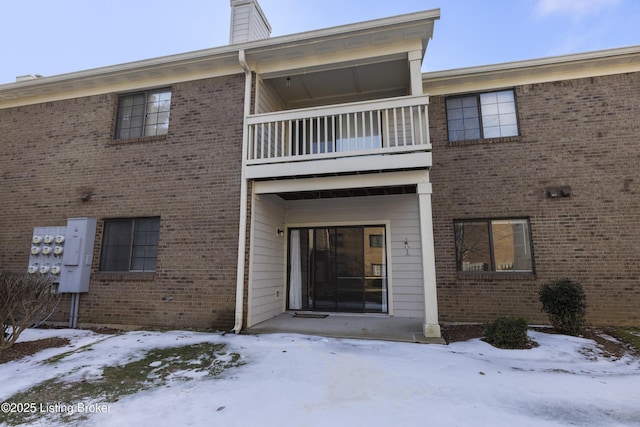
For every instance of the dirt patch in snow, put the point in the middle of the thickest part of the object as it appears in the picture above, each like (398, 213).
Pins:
(27, 348)
(609, 347)
(456, 333)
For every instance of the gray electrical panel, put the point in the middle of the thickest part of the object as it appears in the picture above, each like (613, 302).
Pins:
(78, 255)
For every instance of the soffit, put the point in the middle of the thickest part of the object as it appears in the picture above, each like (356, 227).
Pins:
(124, 77)
(348, 192)
(590, 64)
(372, 36)
(347, 82)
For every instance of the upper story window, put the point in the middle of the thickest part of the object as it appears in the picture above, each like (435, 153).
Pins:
(497, 245)
(130, 245)
(376, 240)
(483, 115)
(143, 114)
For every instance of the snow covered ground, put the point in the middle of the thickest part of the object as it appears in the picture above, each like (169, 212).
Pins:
(299, 380)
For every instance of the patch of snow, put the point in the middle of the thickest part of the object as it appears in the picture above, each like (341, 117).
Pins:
(290, 379)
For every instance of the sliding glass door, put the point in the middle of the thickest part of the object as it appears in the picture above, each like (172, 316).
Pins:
(338, 269)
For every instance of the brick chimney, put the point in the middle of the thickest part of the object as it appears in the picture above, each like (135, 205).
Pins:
(248, 22)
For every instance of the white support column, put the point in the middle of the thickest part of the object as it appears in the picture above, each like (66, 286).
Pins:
(431, 327)
(415, 71)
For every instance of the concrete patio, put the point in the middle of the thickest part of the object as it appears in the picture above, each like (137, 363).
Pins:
(341, 325)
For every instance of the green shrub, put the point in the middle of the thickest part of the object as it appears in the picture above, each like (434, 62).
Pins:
(507, 332)
(564, 302)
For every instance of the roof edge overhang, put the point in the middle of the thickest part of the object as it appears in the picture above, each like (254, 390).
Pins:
(350, 30)
(194, 65)
(554, 68)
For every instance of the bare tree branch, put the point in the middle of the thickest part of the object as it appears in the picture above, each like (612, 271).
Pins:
(25, 301)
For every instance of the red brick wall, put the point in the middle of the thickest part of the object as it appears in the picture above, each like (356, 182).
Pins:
(582, 133)
(54, 152)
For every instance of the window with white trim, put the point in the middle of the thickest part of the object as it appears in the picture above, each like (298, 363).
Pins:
(143, 114)
(482, 115)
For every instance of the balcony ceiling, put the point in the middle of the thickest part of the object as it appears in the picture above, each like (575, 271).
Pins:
(344, 64)
(348, 192)
(350, 82)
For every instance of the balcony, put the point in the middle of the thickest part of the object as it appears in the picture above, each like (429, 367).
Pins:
(390, 134)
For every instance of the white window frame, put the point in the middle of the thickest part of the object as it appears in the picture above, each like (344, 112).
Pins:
(482, 116)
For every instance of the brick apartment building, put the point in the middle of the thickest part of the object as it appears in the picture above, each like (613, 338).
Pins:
(325, 172)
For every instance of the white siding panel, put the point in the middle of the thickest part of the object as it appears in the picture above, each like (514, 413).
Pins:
(268, 258)
(403, 215)
(268, 100)
(240, 24)
(267, 264)
(259, 31)
(263, 292)
(411, 309)
(266, 276)
(402, 273)
(248, 23)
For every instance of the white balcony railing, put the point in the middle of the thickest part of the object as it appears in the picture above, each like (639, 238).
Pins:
(362, 128)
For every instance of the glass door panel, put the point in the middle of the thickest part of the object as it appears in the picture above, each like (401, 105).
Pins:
(349, 255)
(324, 265)
(350, 294)
(338, 269)
(375, 270)
(375, 296)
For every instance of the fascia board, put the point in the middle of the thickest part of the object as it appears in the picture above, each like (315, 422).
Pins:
(565, 67)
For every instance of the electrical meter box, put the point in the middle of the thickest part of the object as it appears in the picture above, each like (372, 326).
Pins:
(64, 253)
(78, 255)
(47, 249)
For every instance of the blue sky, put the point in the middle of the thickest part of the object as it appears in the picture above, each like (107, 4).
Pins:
(54, 37)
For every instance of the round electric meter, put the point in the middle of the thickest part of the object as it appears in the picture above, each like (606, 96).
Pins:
(59, 239)
(48, 239)
(44, 269)
(46, 250)
(35, 250)
(37, 239)
(55, 269)
(57, 250)
(32, 269)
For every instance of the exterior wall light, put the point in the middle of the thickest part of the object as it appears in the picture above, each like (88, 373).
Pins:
(557, 192)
